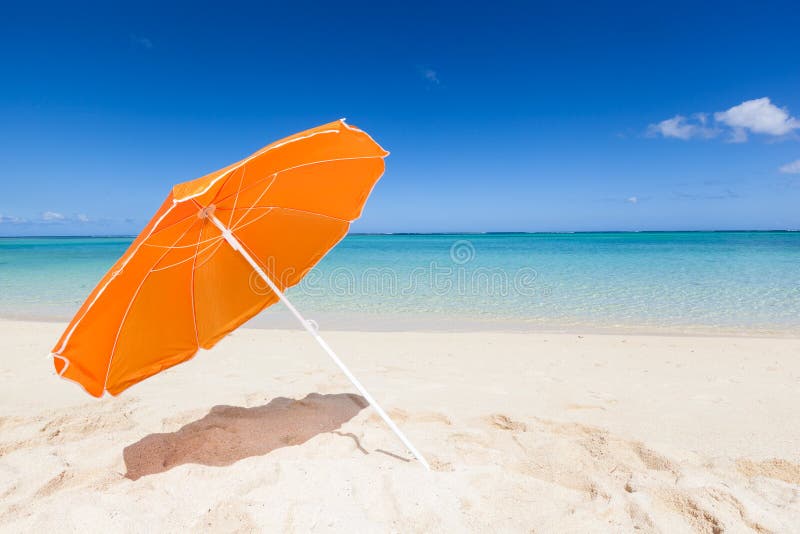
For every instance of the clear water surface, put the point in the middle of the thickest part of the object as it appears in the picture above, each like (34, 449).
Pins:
(695, 281)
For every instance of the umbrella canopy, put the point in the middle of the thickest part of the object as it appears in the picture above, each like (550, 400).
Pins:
(181, 286)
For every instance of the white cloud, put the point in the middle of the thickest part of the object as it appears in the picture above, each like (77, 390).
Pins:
(791, 168)
(632, 200)
(142, 42)
(52, 216)
(674, 127)
(430, 75)
(10, 219)
(679, 127)
(49, 218)
(757, 116)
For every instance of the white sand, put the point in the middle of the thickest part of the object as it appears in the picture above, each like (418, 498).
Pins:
(527, 432)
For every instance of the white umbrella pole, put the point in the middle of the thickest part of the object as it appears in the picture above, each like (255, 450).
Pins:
(234, 243)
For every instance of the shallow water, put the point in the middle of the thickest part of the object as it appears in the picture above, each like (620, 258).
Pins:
(727, 281)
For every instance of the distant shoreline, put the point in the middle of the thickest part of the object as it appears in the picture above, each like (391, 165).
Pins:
(510, 233)
(278, 320)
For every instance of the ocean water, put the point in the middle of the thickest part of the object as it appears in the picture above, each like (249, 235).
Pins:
(730, 282)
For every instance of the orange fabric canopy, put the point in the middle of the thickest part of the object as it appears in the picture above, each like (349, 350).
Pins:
(180, 286)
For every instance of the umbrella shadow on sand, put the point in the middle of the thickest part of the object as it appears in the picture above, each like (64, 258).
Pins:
(228, 434)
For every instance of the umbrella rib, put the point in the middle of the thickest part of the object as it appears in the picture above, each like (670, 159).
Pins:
(256, 182)
(316, 213)
(192, 286)
(210, 239)
(269, 209)
(310, 212)
(245, 225)
(264, 192)
(125, 259)
(210, 256)
(305, 212)
(170, 225)
(200, 209)
(130, 305)
(238, 190)
(264, 150)
(196, 253)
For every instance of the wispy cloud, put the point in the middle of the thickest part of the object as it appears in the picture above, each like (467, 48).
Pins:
(758, 116)
(53, 216)
(791, 168)
(430, 75)
(141, 42)
(9, 219)
(56, 217)
(47, 217)
(724, 195)
(680, 127)
(633, 200)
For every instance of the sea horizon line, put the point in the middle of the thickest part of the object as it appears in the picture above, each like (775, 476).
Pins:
(495, 233)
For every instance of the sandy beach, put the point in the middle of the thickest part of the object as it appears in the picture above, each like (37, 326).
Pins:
(527, 432)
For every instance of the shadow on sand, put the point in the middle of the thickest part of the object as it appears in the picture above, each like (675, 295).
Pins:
(228, 434)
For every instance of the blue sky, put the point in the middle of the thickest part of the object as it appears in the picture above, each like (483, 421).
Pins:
(515, 116)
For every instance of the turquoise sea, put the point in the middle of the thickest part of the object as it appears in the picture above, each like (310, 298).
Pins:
(727, 282)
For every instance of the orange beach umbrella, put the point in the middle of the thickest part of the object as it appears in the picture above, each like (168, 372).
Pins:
(186, 281)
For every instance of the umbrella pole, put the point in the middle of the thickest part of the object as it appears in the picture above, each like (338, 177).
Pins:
(234, 243)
